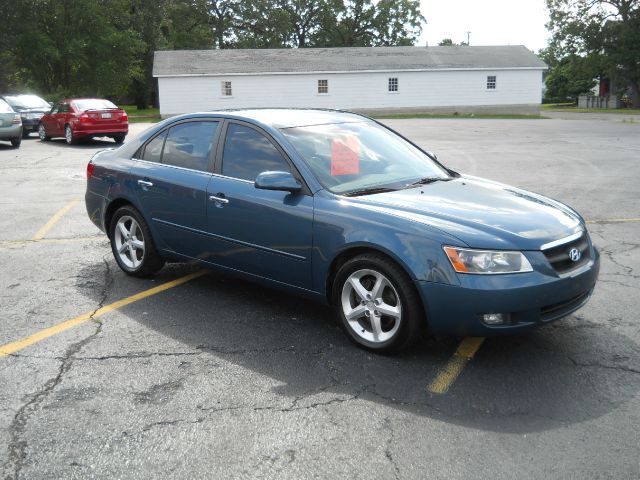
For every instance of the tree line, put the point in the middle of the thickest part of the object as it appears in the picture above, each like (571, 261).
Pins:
(105, 48)
(591, 39)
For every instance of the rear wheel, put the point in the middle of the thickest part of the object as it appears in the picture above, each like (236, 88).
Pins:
(16, 142)
(69, 137)
(378, 306)
(119, 138)
(25, 133)
(132, 245)
(42, 133)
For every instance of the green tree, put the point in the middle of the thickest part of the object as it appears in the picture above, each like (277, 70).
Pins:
(74, 48)
(362, 23)
(447, 42)
(605, 31)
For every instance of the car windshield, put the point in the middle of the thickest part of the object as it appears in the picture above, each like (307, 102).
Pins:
(354, 157)
(93, 104)
(27, 101)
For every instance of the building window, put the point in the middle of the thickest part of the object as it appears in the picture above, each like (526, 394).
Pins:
(226, 89)
(323, 86)
(393, 84)
(491, 82)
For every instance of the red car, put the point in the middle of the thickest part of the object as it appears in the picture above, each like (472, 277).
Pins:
(78, 118)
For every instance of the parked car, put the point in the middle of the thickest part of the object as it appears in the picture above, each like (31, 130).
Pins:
(80, 118)
(339, 207)
(31, 109)
(10, 124)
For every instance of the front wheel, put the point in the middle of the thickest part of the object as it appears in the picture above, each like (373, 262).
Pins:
(69, 137)
(16, 142)
(132, 245)
(42, 133)
(378, 306)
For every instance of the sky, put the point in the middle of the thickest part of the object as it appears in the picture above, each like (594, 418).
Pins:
(491, 22)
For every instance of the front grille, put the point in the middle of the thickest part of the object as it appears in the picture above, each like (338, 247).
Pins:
(565, 307)
(559, 258)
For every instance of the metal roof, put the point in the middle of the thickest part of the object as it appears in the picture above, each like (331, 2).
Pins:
(353, 59)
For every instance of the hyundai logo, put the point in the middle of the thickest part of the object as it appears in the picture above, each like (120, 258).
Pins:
(574, 254)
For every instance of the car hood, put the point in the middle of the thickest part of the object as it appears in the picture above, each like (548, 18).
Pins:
(480, 213)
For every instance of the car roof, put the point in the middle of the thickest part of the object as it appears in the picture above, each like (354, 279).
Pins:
(291, 117)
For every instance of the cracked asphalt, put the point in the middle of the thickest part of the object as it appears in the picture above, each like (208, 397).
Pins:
(221, 378)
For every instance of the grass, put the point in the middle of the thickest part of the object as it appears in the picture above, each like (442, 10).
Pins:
(144, 119)
(573, 108)
(505, 116)
(132, 110)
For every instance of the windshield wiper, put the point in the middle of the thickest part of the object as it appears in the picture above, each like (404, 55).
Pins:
(368, 191)
(427, 180)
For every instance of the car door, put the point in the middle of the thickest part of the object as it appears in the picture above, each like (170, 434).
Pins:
(170, 179)
(49, 120)
(262, 232)
(61, 119)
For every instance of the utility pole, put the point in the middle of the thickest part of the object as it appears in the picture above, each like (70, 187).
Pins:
(468, 39)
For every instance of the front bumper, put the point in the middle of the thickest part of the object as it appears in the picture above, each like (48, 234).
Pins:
(532, 299)
(30, 124)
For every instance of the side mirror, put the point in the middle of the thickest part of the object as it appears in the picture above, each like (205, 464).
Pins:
(282, 181)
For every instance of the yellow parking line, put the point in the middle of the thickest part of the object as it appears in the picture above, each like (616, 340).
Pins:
(615, 220)
(55, 219)
(13, 347)
(465, 352)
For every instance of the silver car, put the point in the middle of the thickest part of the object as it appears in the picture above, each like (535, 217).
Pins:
(10, 124)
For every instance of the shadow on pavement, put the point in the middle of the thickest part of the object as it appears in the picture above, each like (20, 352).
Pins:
(569, 372)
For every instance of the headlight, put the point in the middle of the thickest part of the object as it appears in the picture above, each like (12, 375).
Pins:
(465, 260)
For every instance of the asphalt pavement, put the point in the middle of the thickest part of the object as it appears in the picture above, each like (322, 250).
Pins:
(108, 376)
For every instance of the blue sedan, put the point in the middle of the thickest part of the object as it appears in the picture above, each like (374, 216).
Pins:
(339, 207)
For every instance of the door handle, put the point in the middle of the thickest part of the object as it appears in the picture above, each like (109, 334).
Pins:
(213, 198)
(144, 183)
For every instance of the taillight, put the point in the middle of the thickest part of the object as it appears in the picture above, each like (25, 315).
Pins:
(90, 167)
(16, 120)
(124, 117)
(84, 117)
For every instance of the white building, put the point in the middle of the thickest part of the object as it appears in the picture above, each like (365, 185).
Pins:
(504, 79)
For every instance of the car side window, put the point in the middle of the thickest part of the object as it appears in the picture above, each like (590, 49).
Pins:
(153, 150)
(247, 153)
(64, 108)
(189, 145)
(55, 109)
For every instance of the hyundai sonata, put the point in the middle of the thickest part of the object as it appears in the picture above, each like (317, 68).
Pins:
(339, 207)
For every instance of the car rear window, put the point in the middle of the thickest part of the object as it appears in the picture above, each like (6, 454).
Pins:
(93, 104)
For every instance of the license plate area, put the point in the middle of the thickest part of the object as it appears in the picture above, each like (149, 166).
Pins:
(105, 115)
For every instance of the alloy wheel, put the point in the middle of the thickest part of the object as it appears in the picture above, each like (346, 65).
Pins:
(42, 133)
(371, 305)
(129, 242)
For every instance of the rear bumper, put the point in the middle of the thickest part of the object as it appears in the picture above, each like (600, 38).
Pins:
(7, 133)
(97, 131)
(532, 299)
(96, 205)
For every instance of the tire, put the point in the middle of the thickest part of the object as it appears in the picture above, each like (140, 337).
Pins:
(119, 139)
(69, 137)
(16, 142)
(387, 321)
(42, 133)
(25, 133)
(132, 244)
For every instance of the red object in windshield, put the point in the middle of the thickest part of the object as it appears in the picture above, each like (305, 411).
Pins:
(345, 156)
